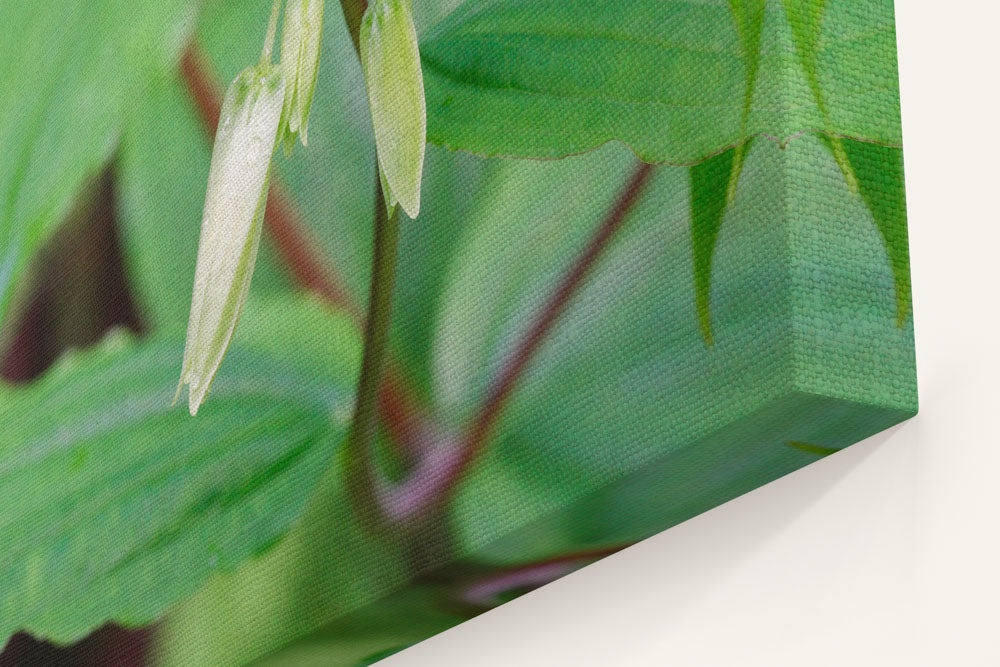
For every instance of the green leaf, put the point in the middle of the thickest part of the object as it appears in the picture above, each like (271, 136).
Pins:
(680, 485)
(714, 182)
(669, 78)
(709, 186)
(805, 18)
(119, 505)
(329, 564)
(455, 185)
(633, 329)
(540, 215)
(879, 172)
(75, 69)
(749, 18)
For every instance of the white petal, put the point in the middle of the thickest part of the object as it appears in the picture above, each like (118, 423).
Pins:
(301, 40)
(291, 55)
(231, 223)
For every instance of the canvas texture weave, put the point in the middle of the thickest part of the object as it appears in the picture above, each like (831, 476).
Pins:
(660, 260)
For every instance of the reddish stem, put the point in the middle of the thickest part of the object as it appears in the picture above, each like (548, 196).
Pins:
(514, 366)
(295, 245)
(432, 482)
(439, 461)
(284, 223)
(488, 592)
(203, 86)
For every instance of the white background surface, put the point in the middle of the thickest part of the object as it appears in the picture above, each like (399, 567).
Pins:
(885, 554)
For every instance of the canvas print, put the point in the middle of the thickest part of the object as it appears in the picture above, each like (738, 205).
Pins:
(327, 326)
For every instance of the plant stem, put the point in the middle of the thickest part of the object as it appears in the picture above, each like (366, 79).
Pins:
(486, 592)
(440, 458)
(514, 366)
(364, 428)
(431, 484)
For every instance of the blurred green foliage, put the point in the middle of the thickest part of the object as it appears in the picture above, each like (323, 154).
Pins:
(125, 506)
(558, 77)
(74, 70)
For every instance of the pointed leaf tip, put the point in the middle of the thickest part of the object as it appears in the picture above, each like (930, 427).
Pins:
(880, 181)
(710, 194)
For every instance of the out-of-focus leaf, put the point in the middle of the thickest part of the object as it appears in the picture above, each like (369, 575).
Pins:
(372, 633)
(749, 18)
(328, 565)
(74, 69)
(455, 185)
(539, 216)
(741, 457)
(805, 18)
(876, 170)
(625, 376)
(117, 505)
(549, 78)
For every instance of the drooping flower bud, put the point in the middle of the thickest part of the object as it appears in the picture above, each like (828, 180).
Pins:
(232, 220)
(390, 59)
(301, 39)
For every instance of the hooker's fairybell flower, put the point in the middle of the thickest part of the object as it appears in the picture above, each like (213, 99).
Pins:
(391, 63)
(231, 224)
(301, 38)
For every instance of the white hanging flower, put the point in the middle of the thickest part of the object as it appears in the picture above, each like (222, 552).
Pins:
(390, 59)
(231, 223)
(301, 39)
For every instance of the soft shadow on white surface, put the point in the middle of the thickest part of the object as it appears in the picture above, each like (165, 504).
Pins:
(885, 554)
